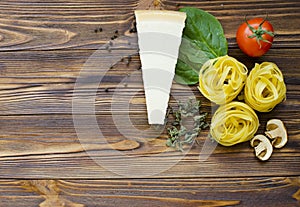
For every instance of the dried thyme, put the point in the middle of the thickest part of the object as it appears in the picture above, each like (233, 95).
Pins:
(178, 133)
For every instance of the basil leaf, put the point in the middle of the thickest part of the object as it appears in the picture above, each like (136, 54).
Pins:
(184, 74)
(206, 31)
(191, 55)
(203, 39)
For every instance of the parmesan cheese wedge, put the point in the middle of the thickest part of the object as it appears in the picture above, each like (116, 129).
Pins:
(159, 38)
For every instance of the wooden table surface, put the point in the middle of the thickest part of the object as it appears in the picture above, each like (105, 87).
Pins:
(44, 45)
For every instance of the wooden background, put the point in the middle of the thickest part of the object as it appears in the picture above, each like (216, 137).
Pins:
(43, 47)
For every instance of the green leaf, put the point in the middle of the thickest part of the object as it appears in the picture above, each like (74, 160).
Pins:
(191, 55)
(169, 143)
(203, 39)
(206, 31)
(184, 74)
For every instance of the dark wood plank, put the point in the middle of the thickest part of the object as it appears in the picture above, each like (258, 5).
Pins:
(43, 82)
(210, 192)
(47, 147)
(71, 24)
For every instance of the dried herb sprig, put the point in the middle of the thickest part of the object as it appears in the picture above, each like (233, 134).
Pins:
(187, 112)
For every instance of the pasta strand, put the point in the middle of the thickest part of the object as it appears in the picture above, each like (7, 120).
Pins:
(234, 123)
(222, 79)
(265, 87)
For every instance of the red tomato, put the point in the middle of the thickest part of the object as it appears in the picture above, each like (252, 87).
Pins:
(255, 37)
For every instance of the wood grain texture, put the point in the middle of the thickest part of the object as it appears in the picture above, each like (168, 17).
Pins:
(43, 82)
(44, 45)
(210, 192)
(58, 24)
(38, 100)
(56, 145)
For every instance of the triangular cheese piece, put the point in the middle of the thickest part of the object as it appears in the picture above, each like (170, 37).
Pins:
(159, 38)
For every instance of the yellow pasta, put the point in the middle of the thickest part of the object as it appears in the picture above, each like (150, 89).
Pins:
(264, 87)
(222, 79)
(234, 123)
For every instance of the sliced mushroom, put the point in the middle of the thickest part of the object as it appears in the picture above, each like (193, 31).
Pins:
(262, 146)
(277, 132)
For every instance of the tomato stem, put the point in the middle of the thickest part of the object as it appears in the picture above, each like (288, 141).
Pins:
(259, 32)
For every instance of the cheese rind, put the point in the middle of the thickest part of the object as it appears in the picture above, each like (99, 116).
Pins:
(160, 15)
(159, 38)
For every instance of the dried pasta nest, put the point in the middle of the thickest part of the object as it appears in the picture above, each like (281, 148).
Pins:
(222, 79)
(234, 123)
(265, 87)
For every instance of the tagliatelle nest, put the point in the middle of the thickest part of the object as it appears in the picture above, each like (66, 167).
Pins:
(234, 123)
(265, 87)
(222, 79)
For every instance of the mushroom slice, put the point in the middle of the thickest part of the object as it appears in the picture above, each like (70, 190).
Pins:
(277, 131)
(262, 146)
